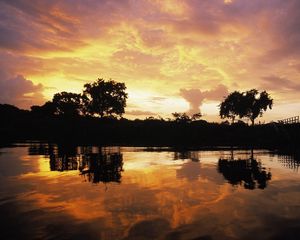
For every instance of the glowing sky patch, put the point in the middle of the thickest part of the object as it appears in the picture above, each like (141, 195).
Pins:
(155, 47)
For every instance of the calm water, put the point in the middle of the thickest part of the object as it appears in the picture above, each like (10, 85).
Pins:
(51, 192)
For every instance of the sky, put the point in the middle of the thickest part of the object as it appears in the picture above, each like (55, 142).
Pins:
(173, 55)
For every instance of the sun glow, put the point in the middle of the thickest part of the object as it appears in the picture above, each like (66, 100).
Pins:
(156, 48)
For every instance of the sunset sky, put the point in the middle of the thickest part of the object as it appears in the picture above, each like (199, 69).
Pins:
(173, 55)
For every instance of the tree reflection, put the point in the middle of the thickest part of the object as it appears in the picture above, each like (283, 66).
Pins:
(95, 164)
(184, 155)
(102, 167)
(247, 172)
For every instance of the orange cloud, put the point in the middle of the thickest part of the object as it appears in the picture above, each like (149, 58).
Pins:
(195, 97)
(155, 47)
(21, 92)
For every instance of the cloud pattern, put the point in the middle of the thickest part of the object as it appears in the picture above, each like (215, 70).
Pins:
(20, 91)
(156, 47)
(195, 97)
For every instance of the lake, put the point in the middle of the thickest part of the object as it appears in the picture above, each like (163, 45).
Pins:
(90, 192)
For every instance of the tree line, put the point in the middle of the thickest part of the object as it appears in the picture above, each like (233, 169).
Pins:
(108, 99)
(100, 98)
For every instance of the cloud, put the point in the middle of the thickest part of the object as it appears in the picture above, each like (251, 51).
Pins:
(140, 113)
(285, 29)
(279, 83)
(20, 91)
(195, 97)
(155, 99)
(154, 46)
(37, 25)
(217, 93)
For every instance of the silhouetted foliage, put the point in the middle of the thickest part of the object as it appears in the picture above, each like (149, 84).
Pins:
(157, 119)
(196, 116)
(184, 118)
(10, 111)
(105, 98)
(43, 122)
(181, 117)
(67, 103)
(239, 123)
(255, 104)
(48, 109)
(249, 104)
(230, 107)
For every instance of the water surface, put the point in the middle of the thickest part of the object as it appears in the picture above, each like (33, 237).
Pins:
(66, 192)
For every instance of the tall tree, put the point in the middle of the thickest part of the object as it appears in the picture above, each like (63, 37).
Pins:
(231, 106)
(255, 104)
(67, 103)
(249, 104)
(105, 98)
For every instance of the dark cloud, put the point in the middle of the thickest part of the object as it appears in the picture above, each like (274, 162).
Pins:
(17, 64)
(285, 29)
(195, 97)
(31, 25)
(20, 91)
(146, 37)
(279, 83)
(50, 23)
(275, 20)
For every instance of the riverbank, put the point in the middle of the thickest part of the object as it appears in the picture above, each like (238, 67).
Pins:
(83, 130)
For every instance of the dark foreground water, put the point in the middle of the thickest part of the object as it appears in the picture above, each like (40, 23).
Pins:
(50, 192)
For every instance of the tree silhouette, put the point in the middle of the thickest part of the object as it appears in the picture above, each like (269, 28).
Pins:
(255, 104)
(48, 109)
(249, 104)
(184, 118)
(181, 117)
(67, 103)
(230, 107)
(196, 116)
(10, 111)
(105, 98)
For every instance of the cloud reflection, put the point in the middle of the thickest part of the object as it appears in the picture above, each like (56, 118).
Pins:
(156, 199)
